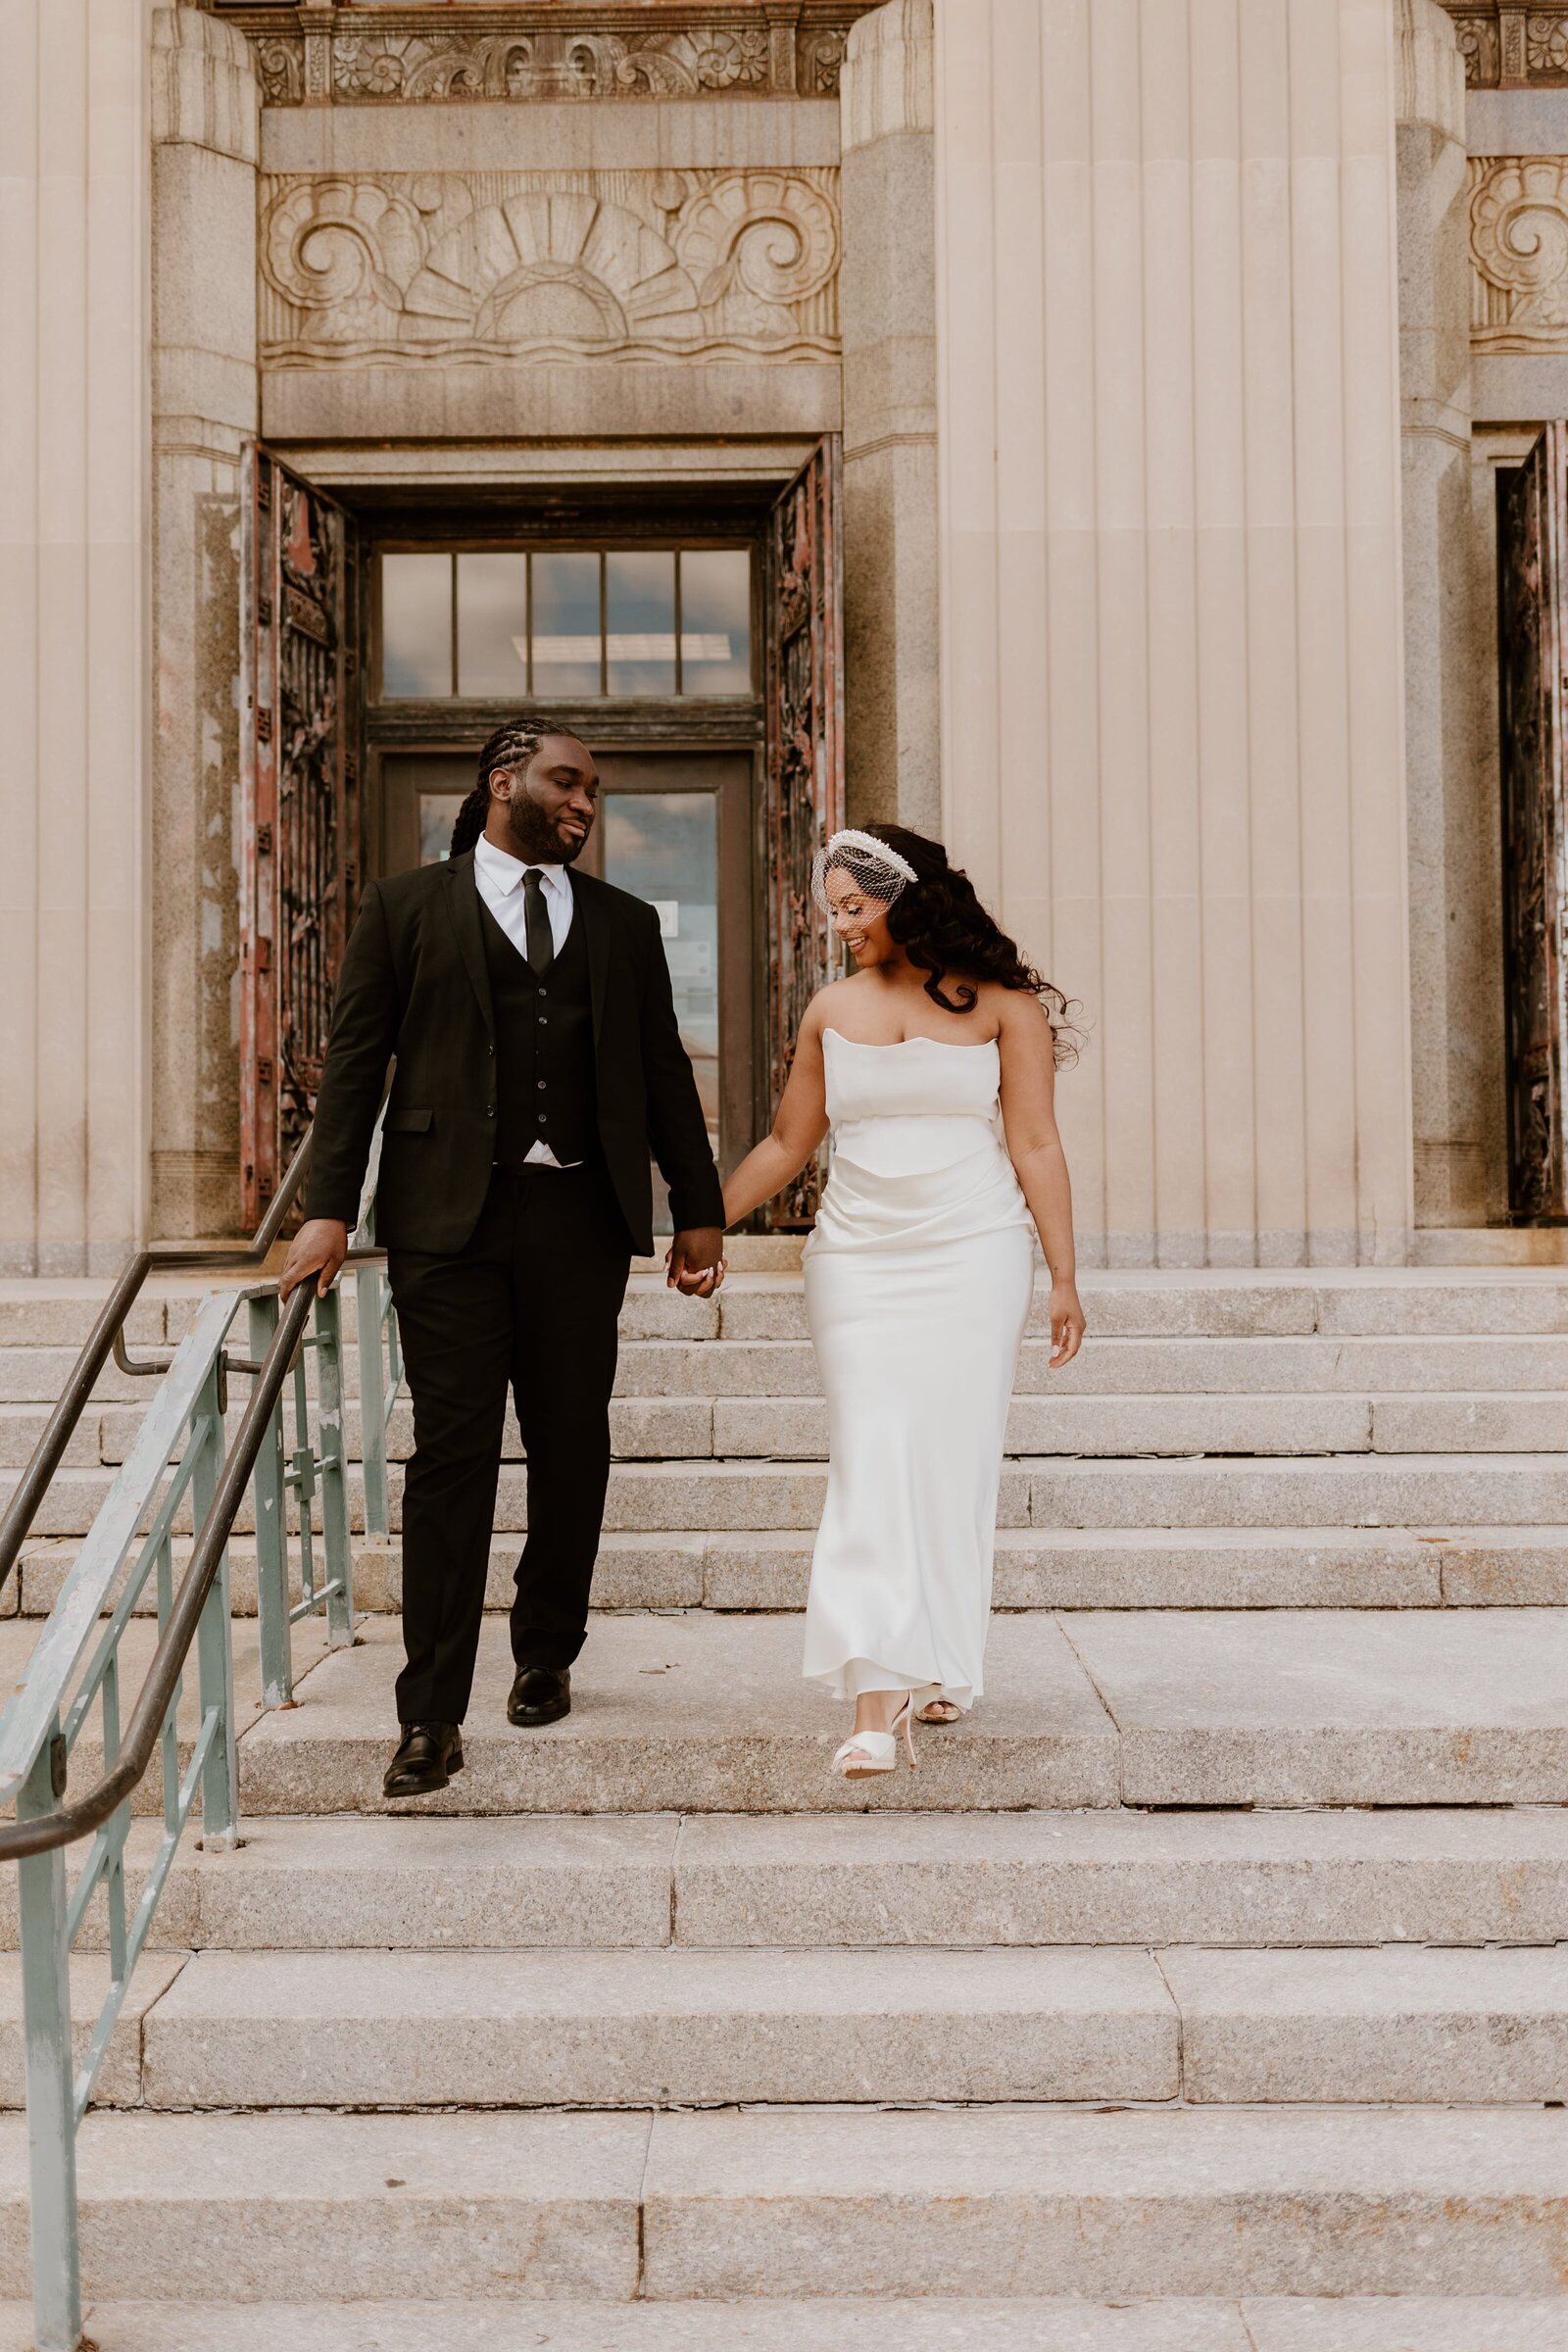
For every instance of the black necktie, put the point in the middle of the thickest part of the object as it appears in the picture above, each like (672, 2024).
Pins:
(536, 921)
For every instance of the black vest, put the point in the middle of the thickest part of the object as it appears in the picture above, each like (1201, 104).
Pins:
(545, 1084)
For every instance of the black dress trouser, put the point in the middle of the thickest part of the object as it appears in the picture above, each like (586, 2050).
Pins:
(530, 1301)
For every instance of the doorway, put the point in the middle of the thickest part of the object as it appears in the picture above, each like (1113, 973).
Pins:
(694, 640)
(647, 651)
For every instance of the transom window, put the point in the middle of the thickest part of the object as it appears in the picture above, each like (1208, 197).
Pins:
(566, 625)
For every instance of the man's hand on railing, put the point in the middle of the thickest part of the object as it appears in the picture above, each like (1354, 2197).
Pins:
(318, 1248)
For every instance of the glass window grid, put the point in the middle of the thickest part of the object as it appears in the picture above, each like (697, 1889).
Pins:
(604, 694)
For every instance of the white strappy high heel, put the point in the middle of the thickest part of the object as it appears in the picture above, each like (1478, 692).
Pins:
(866, 1755)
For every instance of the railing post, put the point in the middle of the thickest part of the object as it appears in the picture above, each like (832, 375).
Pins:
(372, 1404)
(331, 1454)
(272, 1530)
(51, 2093)
(215, 1662)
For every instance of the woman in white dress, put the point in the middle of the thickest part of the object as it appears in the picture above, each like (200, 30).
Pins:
(933, 1065)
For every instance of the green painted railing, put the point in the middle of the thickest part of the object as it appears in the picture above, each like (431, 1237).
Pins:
(289, 1449)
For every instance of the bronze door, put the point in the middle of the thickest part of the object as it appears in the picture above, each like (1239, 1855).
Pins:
(301, 852)
(803, 639)
(1531, 550)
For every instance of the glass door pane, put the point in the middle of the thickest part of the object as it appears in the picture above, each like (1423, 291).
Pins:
(665, 847)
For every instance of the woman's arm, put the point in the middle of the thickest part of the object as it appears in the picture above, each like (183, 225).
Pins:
(799, 1126)
(1034, 1146)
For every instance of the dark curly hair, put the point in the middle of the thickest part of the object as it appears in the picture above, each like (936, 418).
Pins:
(510, 746)
(942, 928)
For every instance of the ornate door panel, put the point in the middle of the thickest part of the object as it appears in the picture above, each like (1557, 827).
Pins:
(301, 830)
(804, 802)
(1532, 557)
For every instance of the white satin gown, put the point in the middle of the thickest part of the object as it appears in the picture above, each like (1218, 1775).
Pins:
(918, 1275)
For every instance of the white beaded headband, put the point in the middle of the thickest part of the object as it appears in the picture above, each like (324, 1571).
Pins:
(868, 845)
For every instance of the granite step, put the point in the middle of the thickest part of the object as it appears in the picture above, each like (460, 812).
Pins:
(698, 2028)
(992, 2204)
(702, 1713)
(1385, 2323)
(693, 1497)
(586, 2029)
(1070, 1568)
(703, 1428)
(936, 2323)
(1186, 2202)
(1108, 1367)
(1438, 1877)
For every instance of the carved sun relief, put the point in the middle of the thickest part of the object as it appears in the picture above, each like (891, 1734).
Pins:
(581, 265)
(1519, 249)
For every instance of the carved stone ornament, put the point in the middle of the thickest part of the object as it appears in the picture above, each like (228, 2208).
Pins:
(735, 55)
(1509, 47)
(1519, 248)
(404, 268)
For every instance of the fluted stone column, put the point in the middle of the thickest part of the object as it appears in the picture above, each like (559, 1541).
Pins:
(1171, 634)
(205, 407)
(73, 540)
(887, 292)
(1457, 1047)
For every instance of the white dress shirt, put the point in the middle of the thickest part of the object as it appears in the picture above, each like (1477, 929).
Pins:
(497, 877)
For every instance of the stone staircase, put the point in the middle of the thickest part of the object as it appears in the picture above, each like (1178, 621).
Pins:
(1205, 1992)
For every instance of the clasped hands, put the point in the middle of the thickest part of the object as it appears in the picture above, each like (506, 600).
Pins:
(696, 1260)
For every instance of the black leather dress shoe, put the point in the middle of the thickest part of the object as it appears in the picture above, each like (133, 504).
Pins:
(427, 1757)
(539, 1695)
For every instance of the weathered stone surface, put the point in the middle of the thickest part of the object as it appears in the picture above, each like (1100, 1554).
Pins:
(695, 1714)
(1409, 2323)
(930, 2325)
(1326, 1707)
(344, 2207)
(119, 2077)
(174, 1922)
(1189, 2202)
(1470, 1424)
(655, 2029)
(690, 2326)
(1123, 1878)
(1459, 2028)
(796, 1428)
(420, 1885)
(1403, 1491)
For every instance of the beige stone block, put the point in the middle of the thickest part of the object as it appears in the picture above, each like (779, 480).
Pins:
(609, 134)
(655, 2029)
(1420, 2323)
(1520, 1423)
(1121, 2206)
(688, 1714)
(459, 400)
(1392, 1491)
(119, 2077)
(524, 2207)
(772, 2327)
(1449, 2028)
(1322, 1708)
(174, 1922)
(411, 1885)
(1258, 1879)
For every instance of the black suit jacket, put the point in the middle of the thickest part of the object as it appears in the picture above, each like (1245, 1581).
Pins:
(415, 985)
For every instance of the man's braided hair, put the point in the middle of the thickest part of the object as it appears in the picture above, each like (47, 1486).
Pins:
(510, 746)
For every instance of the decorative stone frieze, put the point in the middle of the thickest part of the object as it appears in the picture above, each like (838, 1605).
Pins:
(1519, 251)
(407, 267)
(1511, 48)
(530, 53)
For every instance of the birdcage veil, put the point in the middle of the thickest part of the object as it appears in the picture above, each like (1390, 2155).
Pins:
(868, 866)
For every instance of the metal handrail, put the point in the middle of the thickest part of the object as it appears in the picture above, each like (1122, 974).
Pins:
(106, 1335)
(40, 1833)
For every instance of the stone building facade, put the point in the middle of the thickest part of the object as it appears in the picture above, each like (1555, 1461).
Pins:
(1075, 430)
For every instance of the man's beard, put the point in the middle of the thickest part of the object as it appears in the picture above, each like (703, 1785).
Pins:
(532, 836)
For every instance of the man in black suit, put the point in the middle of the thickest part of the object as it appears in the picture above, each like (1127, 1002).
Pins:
(538, 1059)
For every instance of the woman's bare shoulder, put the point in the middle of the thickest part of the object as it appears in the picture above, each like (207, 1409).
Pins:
(1018, 1011)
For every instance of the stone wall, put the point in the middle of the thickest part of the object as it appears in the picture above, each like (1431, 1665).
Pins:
(1170, 482)
(73, 651)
